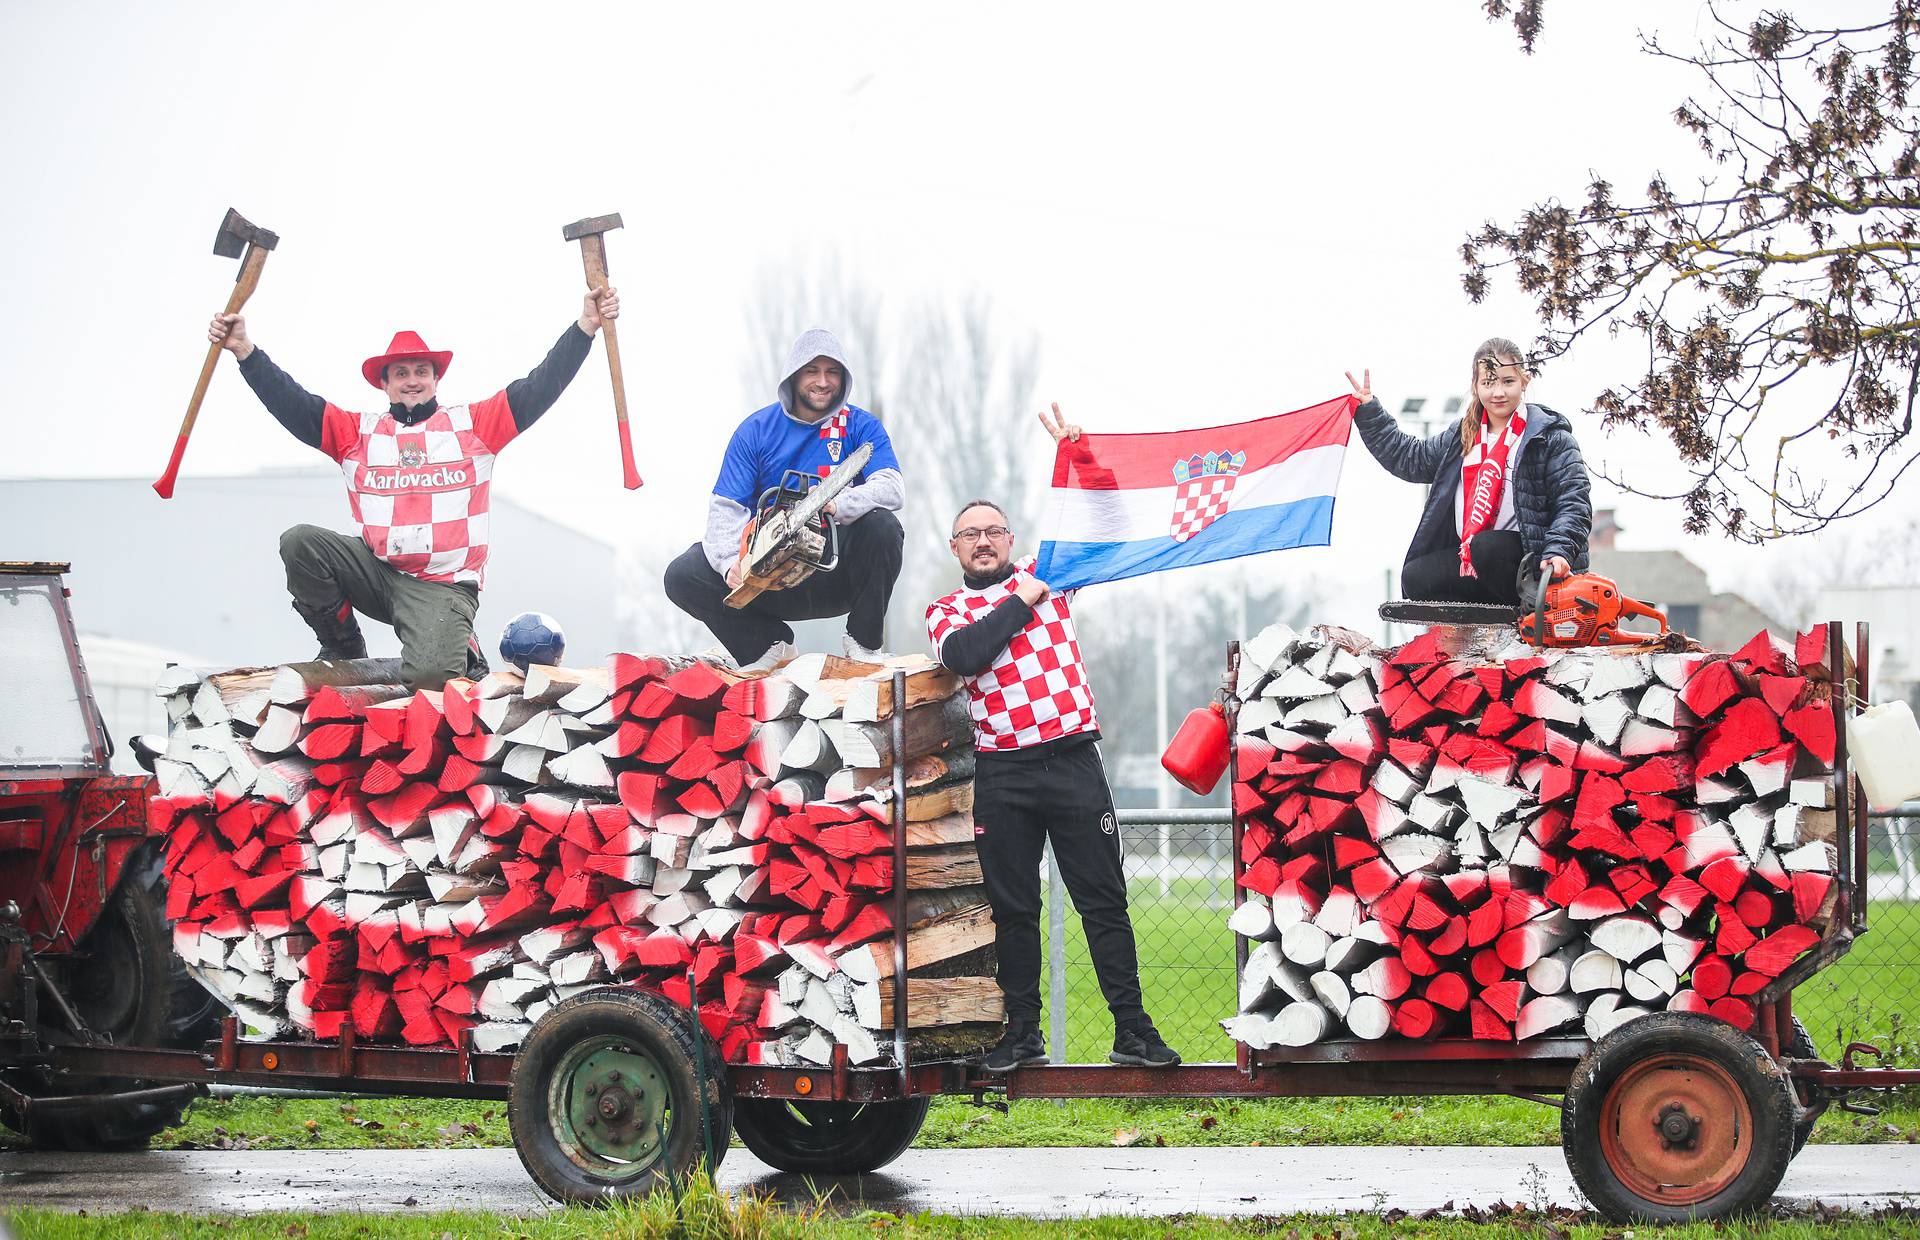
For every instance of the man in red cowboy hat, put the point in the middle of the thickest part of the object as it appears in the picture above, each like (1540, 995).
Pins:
(418, 476)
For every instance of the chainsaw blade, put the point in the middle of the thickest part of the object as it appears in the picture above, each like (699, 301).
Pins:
(1416, 611)
(805, 511)
(842, 476)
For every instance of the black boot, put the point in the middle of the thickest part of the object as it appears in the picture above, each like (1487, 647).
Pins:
(338, 630)
(476, 662)
(1020, 1045)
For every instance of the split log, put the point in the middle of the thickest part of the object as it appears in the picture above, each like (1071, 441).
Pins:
(929, 729)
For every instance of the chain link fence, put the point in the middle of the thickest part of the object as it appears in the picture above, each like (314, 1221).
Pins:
(1180, 887)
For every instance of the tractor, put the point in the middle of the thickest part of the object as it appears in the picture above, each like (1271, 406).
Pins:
(86, 955)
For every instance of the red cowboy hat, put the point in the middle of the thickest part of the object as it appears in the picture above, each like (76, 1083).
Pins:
(405, 347)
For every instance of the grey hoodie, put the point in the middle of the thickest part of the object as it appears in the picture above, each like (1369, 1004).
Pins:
(885, 489)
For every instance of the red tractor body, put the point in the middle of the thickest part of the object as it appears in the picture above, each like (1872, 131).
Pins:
(85, 953)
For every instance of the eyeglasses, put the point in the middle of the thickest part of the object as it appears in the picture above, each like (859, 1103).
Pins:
(974, 535)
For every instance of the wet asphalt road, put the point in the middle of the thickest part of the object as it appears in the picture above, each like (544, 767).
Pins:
(1051, 1183)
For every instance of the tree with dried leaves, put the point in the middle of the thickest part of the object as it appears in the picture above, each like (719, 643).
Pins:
(1775, 296)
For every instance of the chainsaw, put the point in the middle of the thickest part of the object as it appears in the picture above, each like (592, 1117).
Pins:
(791, 537)
(1585, 609)
(1581, 609)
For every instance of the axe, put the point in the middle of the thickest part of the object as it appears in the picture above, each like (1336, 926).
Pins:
(236, 239)
(591, 234)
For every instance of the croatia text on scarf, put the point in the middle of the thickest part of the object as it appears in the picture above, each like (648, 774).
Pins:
(1483, 476)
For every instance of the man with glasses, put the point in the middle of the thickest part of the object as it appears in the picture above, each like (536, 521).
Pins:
(1038, 776)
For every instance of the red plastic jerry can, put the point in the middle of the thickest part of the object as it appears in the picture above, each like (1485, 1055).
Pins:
(1198, 754)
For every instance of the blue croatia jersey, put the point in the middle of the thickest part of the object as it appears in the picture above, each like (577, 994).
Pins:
(768, 443)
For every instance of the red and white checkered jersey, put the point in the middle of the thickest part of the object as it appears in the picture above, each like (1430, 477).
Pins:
(420, 493)
(1037, 689)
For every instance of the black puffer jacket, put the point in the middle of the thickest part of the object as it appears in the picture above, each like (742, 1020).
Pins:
(1551, 493)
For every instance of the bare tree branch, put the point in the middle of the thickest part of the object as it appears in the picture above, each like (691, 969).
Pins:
(1778, 300)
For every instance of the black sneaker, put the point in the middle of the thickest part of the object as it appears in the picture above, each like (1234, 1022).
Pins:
(1142, 1046)
(1019, 1046)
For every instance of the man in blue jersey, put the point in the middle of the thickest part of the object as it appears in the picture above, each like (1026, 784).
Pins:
(811, 427)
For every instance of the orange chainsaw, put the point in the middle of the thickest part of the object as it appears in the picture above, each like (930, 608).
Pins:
(1585, 609)
(791, 536)
(1581, 609)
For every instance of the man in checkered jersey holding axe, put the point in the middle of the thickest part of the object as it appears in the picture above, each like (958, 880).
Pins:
(419, 481)
(1038, 775)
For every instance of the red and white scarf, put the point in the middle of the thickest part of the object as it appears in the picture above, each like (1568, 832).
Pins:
(1483, 476)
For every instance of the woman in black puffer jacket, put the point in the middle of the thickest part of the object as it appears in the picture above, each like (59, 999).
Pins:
(1509, 496)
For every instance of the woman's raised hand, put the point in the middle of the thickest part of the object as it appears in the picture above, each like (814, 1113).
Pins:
(1058, 426)
(1363, 386)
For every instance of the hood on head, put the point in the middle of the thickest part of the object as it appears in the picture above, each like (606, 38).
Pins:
(814, 342)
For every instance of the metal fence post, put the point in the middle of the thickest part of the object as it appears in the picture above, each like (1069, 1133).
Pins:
(1056, 961)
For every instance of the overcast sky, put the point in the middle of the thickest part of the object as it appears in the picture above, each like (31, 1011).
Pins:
(1206, 213)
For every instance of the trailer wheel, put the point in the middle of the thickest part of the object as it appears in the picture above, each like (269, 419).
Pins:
(1814, 1102)
(1676, 1117)
(605, 1098)
(832, 1138)
(130, 989)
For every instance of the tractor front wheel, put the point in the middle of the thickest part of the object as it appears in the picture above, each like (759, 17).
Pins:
(130, 989)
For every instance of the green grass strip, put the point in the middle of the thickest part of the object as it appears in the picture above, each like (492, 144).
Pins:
(702, 1213)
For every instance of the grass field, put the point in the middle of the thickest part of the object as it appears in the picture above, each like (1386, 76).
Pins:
(702, 1213)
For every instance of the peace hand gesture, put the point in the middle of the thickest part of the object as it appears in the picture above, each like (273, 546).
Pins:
(1059, 427)
(1363, 386)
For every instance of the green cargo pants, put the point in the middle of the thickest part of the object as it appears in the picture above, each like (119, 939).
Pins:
(434, 620)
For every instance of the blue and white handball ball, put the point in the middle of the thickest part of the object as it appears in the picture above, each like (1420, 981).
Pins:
(532, 637)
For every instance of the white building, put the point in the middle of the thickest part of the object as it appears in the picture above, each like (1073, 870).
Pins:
(197, 579)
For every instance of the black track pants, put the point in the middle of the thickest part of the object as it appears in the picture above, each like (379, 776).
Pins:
(1496, 565)
(858, 588)
(1018, 804)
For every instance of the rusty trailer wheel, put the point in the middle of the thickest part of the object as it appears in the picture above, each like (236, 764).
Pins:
(1676, 1117)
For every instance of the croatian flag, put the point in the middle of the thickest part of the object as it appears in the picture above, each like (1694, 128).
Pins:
(1124, 505)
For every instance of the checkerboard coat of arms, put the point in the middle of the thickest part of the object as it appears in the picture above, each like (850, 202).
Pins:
(1203, 491)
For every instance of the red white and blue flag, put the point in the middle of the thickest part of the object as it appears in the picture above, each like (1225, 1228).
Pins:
(1124, 505)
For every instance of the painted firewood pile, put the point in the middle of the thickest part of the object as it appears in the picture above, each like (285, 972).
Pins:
(433, 866)
(1528, 842)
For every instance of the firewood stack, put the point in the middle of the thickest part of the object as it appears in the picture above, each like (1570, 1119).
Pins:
(1530, 843)
(421, 865)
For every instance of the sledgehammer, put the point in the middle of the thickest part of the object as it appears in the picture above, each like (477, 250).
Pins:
(249, 243)
(591, 234)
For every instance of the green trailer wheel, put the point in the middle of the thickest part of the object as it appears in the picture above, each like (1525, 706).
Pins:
(606, 1098)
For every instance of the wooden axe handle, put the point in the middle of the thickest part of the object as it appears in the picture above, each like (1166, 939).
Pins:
(593, 253)
(243, 286)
